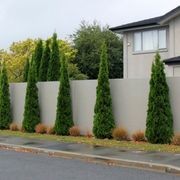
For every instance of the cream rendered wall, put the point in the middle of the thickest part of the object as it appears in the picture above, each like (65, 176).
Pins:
(129, 99)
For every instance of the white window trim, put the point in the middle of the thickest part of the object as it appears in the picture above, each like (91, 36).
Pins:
(150, 51)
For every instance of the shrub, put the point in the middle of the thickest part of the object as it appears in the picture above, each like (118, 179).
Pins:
(176, 139)
(74, 131)
(120, 134)
(5, 109)
(64, 110)
(103, 116)
(13, 127)
(88, 134)
(159, 122)
(138, 136)
(50, 130)
(40, 128)
(31, 109)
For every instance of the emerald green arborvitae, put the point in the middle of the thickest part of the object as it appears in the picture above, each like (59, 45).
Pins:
(31, 109)
(38, 55)
(54, 63)
(26, 70)
(64, 110)
(44, 62)
(103, 117)
(5, 109)
(159, 122)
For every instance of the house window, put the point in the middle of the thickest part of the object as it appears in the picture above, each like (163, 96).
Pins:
(150, 40)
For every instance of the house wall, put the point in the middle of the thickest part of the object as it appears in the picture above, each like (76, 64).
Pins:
(129, 97)
(138, 65)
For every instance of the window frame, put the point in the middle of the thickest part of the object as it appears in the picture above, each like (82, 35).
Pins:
(150, 51)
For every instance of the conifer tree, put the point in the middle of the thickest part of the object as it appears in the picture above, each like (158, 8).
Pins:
(54, 63)
(31, 109)
(5, 109)
(44, 62)
(64, 110)
(159, 122)
(38, 55)
(103, 117)
(26, 70)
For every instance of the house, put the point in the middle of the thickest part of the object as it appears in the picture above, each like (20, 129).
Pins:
(144, 38)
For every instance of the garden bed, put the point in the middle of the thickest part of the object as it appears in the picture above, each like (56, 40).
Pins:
(131, 145)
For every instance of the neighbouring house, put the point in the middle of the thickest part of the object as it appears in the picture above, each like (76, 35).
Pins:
(144, 38)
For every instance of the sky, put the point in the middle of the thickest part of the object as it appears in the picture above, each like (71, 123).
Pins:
(22, 19)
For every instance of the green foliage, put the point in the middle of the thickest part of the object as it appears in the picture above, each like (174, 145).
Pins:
(64, 110)
(45, 62)
(88, 40)
(103, 118)
(5, 109)
(38, 55)
(26, 70)
(54, 63)
(31, 111)
(159, 122)
(15, 58)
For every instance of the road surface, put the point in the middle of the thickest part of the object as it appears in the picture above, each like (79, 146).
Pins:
(27, 166)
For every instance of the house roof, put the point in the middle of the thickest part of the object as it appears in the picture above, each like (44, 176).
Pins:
(172, 61)
(148, 22)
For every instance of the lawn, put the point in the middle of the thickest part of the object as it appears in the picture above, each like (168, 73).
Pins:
(98, 142)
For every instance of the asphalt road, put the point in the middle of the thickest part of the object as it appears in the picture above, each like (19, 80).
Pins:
(27, 166)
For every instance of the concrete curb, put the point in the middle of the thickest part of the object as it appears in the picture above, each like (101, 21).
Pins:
(95, 158)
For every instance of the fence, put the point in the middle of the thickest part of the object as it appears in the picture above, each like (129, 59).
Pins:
(129, 98)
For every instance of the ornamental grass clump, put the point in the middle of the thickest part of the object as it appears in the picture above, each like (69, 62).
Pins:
(74, 131)
(138, 136)
(120, 134)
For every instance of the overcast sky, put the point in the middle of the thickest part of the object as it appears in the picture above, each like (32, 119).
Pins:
(21, 19)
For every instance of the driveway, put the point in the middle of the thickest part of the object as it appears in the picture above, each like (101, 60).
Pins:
(27, 166)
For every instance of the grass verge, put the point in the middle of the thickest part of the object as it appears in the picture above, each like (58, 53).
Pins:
(129, 145)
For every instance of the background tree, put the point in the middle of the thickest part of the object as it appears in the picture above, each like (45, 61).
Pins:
(45, 62)
(54, 63)
(26, 70)
(15, 58)
(159, 122)
(31, 109)
(87, 40)
(5, 109)
(64, 110)
(38, 55)
(103, 117)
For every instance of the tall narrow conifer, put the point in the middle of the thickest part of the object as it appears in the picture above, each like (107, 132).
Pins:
(159, 122)
(45, 62)
(5, 109)
(103, 117)
(54, 63)
(31, 109)
(64, 107)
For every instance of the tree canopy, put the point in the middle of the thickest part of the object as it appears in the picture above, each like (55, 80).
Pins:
(87, 40)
